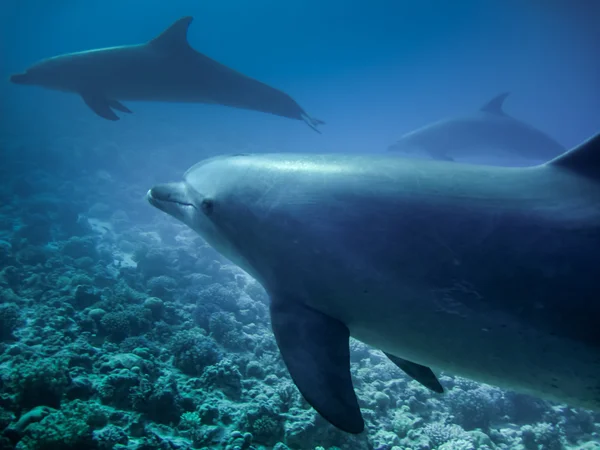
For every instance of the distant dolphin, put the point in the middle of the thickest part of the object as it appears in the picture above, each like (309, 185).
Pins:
(490, 128)
(166, 69)
(491, 273)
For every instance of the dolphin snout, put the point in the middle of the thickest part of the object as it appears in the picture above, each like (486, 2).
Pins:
(168, 193)
(161, 192)
(19, 78)
(171, 198)
(161, 197)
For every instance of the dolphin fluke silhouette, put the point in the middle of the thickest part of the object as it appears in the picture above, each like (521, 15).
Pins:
(485, 131)
(164, 69)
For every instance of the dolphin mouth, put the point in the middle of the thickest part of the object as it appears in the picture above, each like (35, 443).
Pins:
(160, 197)
(19, 78)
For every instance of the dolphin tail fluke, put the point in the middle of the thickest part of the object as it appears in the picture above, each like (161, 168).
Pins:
(316, 351)
(312, 122)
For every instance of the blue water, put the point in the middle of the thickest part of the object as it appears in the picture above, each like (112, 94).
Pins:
(371, 70)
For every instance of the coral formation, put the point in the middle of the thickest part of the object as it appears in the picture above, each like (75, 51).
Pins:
(118, 332)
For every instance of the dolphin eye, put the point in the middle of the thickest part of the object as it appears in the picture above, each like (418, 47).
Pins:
(207, 206)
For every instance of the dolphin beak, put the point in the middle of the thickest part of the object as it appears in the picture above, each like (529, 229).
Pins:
(19, 78)
(161, 193)
(150, 197)
(170, 198)
(154, 198)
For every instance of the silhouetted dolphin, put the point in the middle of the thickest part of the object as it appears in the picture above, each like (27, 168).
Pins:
(490, 128)
(166, 69)
(492, 273)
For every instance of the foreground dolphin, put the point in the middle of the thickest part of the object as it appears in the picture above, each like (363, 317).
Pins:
(166, 69)
(490, 273)
(489, 129)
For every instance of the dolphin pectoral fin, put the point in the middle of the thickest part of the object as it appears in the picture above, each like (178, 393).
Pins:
(417, 372)
(100, 105)
(114, 104)
(316, 352)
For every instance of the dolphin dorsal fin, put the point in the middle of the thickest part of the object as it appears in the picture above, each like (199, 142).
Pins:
(494, 106)
(174, 38)
(584, 159)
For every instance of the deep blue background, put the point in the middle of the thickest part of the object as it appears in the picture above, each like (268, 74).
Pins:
(372, 70)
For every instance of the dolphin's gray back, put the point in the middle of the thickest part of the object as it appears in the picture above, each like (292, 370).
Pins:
(141, 72)
(480, 133)
(164, 69)
(392, 213)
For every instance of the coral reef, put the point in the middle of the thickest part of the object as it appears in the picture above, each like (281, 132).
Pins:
(123, 330)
